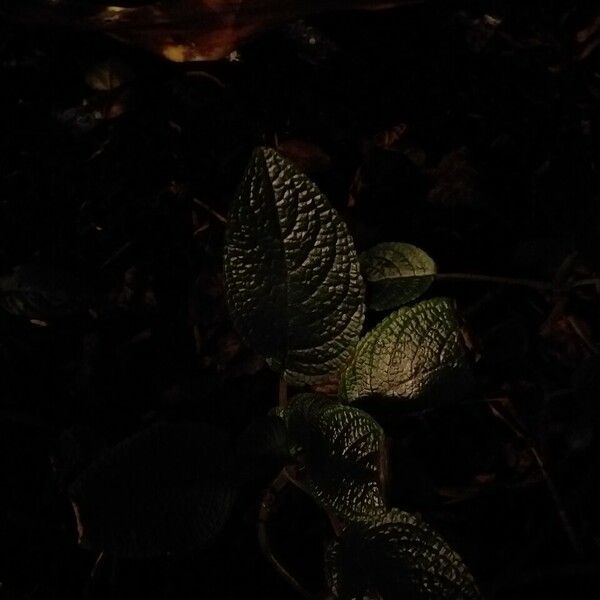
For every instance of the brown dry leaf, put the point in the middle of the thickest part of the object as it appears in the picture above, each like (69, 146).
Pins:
(116, 104)
(471, 342)
(108, 75)
(356, 187)
(309, 158)
(588, 38)
(479, 31)
(518, 457)
(329, 387)
(200, 30)
(397, 139)
(390, 138)
(569, 338)
(136, 292)
(228, 347)
(454, 180)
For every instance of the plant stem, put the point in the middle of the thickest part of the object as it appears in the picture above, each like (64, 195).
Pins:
(336, 524)
(97, 564)
(531, 283)
(282, 400)
(210, 210)
(584, 282)
(583, 336)
(267, 504)
(560, 509)
(384, 468)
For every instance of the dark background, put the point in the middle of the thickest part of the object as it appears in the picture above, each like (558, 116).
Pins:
(492, 168)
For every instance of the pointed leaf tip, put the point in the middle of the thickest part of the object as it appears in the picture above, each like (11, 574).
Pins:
(292, 277)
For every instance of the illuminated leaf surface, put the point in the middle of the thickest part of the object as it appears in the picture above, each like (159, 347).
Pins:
(396, 555)
(292, 277)
(397, 273)
(343, 450)
(165, 490)
(408, 354)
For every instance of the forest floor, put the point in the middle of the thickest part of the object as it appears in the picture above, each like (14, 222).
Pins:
(465, 128)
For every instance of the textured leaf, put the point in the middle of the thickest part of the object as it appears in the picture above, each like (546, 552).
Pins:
(343, 450)
(165, 490)
(397, 273)
(395, 555)
(408, 355)
(292, 277)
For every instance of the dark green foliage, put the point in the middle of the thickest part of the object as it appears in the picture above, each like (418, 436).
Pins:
(397, 274)
(167, 490)
(412, 353)
(467, 129)
(292, 279)
(396, 555)
(343, 451)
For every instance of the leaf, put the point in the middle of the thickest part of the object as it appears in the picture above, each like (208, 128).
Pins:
(108, 75)
(398, 273)
(209, 30)
(396, 555)
(455, 180)
(165, 490)
(308, 158)
(292, 277)
(343, 451)
(409, 355)
(38, 292)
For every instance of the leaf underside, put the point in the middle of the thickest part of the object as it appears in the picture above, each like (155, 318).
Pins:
(342, 449)
(293, 282)
(396, 555)
(397, 273)
(408, 355)
(163, 491)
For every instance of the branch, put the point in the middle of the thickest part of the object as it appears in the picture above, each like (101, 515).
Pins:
(282, 398)
(558, 504)
(268, 502)
(97, 565)
(531, 283)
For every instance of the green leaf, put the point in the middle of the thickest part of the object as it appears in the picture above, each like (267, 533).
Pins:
(292, 277)
(165, 490)
(397, 273)
(343, 451)
(396, 555)
(409, 355)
